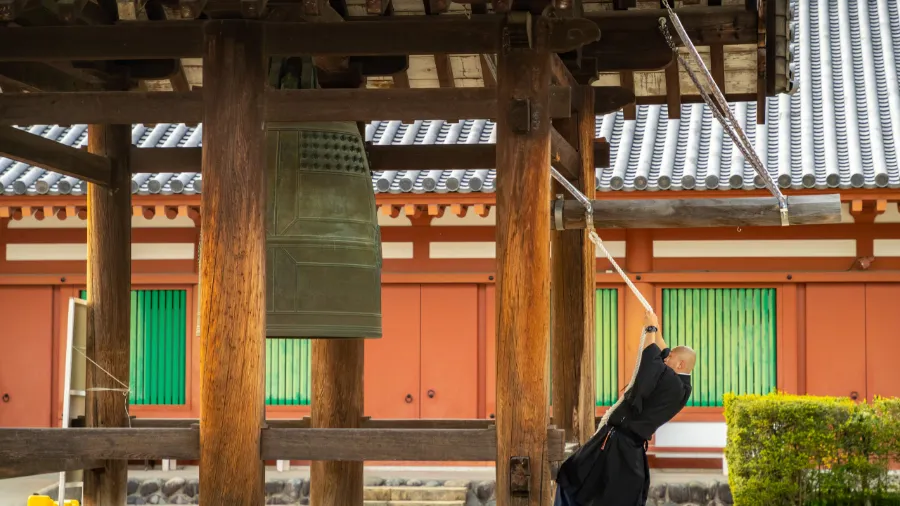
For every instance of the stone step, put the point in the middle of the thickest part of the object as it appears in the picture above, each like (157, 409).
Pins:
(431, 495)
(414, 503)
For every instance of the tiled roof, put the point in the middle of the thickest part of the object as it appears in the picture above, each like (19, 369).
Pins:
(841, 129)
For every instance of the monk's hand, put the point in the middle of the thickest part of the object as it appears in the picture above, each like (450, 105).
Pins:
(650, 320)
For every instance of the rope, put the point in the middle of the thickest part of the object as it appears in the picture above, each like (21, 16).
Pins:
(125, 391)
(595, 238)
(720, 108)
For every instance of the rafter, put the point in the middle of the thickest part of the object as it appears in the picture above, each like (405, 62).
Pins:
(51, 155)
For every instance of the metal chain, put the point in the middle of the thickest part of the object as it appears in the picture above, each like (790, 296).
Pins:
(720, 108)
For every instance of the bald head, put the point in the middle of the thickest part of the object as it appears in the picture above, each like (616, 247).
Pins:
(681, 359)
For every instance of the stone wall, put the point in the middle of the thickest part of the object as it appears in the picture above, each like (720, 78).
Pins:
(381, 492)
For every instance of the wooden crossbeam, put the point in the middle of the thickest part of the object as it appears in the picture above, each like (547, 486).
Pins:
(696, 213)
(26, 466)
(401, 157)
(281, 105)
(98, 444)
(380, 36)
(412, 35)
(474, 445)
(51, 155)
(304, 423)
(563, 157)
(72, 448)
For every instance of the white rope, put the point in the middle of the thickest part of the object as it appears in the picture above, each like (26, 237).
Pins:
(720, 107)
(125, 391)
(592, 234)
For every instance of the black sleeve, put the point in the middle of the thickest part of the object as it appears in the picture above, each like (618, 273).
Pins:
(651, 369)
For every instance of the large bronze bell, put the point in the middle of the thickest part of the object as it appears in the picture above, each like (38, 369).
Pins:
(323, 244)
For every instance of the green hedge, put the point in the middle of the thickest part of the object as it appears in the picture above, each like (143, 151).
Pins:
(812, 451)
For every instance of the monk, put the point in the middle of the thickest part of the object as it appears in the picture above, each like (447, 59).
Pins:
(611, 468)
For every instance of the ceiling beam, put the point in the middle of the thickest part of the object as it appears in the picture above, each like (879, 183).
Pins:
(54, 156)
(281, 105)
(383, 36)
(623, 32)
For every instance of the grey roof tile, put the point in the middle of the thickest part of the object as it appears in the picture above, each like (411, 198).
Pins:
(839, 130)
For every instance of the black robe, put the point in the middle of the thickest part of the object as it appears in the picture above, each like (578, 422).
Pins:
(611, 468)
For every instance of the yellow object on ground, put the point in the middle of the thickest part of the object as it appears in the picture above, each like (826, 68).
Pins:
(45, 500)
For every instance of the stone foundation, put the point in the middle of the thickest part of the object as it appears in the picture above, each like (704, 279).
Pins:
(381, 492)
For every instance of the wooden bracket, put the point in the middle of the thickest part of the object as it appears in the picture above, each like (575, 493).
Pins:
(520, 116)
(519, 476)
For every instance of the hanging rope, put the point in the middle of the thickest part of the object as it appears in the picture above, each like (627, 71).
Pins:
(592, 233)
(125, 390)
(719, 106)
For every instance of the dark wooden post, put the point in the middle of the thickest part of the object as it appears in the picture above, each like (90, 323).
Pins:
(337, 402)
(523, 276)
(573, 293)
(108, 325)
(233, 254)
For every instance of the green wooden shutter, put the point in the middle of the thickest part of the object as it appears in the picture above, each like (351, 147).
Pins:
(606, 350)
(288, 373)
(733, 331)
(158, 346)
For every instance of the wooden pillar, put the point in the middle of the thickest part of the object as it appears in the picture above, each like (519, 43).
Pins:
(232, 277)
(572, 293)
(638, 259)
(523, 276)
(337, 381)
(108, 288)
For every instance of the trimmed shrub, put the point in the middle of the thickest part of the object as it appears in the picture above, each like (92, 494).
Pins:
(812, 451)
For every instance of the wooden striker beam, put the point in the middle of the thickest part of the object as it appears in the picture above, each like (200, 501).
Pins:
(108, 286)
(233, 265)
(523, 276)
(337, 381)
(572, 295)
(695, 213)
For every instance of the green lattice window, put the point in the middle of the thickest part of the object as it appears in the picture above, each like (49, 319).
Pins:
(734, 333)
(158, 346)
(606, 348)
(288, 375)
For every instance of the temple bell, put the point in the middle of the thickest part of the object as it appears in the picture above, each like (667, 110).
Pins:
(323, 242)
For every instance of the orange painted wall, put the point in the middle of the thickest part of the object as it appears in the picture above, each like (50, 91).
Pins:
(439, 314)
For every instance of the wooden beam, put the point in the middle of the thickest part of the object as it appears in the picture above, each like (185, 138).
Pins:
(695, 213)
(608, 99)
(109, 309)
(523, 277)
(623, 32)
(233, 313)
(573, 264)
(444, 70)
(99, 444)
(337, 381)
(33, 149)
(563, 156)
(47, 77)
(18, 468)
(412, 35)
(305, 423)
(281, 105)
(428, 445)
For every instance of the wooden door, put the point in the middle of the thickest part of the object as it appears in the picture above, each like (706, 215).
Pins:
(449, 386)
(836, 340)
(26, 356)
(391, 384)
(882, 374)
